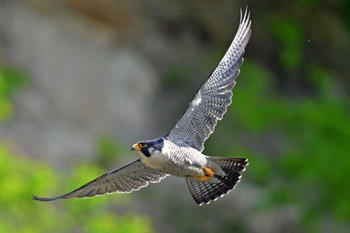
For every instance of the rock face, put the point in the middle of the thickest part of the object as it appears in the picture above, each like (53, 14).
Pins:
(80, 85)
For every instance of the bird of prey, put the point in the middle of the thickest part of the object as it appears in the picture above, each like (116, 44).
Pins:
(179, 153)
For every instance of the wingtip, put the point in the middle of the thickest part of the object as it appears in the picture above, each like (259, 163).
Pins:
(244, 29)
(35, 198)
(244, 17)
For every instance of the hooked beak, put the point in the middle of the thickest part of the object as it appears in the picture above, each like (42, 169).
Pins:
(136, 147)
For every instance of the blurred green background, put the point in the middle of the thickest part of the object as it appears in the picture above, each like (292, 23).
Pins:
(290, 114)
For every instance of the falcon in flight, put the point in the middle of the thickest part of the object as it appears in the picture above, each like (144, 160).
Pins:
(179, 153)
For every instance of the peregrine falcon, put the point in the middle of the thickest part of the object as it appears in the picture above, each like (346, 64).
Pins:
(179, 152)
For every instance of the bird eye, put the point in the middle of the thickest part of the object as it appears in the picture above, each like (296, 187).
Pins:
(142, 145)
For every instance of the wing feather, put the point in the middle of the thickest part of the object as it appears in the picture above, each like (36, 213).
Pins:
(211, 101)
(126, 179)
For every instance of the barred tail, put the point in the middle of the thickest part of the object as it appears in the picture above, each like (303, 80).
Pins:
(217, 186)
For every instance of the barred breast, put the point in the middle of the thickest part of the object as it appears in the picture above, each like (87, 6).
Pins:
(183, 161)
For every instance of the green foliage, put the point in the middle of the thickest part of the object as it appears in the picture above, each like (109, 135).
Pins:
(21, 177)
(310, 160)
(10, 80)
(291, 39)
(107, 150)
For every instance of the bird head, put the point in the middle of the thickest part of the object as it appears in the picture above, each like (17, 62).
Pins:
(149, 147)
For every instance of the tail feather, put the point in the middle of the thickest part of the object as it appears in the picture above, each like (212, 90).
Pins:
(217, 186)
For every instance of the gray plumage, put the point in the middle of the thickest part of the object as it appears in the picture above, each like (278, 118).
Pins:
(179, 153)
(211, 101)
(129, 178)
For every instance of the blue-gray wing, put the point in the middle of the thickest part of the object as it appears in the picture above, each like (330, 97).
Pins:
(126, 179)
(211, 101)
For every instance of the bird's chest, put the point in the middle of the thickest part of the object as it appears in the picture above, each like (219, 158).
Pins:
(156, 160)
(185, 162)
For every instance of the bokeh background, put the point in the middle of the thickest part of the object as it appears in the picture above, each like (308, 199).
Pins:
(82, 80)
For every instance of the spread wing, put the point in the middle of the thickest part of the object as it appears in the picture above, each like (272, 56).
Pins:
(211, 101)
(126, 179)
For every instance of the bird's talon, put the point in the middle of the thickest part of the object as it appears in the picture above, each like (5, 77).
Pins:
(208, 174)
(208, 171)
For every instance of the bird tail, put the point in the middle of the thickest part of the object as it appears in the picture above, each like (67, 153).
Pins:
(218, 185)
